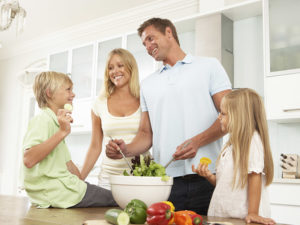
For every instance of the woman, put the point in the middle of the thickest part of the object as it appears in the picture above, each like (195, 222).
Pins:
(116, 113)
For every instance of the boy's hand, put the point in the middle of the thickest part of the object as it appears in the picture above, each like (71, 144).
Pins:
(64, 119)
(202, 170)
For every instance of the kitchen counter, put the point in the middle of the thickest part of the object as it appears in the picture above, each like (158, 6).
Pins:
(18, 211)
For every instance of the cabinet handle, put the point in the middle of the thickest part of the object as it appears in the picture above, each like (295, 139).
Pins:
(291, 109)
(77, 125)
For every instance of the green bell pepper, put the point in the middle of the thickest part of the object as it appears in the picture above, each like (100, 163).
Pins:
(137, 211)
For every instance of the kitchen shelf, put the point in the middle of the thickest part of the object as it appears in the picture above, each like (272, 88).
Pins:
(286, 181)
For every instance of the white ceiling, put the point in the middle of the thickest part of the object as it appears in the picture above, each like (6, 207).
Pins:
(48, 16)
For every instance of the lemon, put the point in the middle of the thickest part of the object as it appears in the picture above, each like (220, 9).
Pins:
(205, 160)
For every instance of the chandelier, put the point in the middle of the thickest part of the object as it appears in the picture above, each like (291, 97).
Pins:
(10, 10)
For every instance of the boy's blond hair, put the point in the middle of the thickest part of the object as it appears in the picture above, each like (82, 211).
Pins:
(130, 66)
(48, 81)
(246, 114)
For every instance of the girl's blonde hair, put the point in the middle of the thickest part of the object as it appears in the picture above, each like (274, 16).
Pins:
(48, 81)
(130, 67)
(246, 114)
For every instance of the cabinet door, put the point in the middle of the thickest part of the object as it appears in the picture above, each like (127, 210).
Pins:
(59, 62)
(285, 202)
(145, 62)
(104, 49)
(282, 97)
(284, 35)
(81, 114)
(82, 71)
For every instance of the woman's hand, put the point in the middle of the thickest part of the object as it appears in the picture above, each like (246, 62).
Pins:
(254, 218)
(114, 147)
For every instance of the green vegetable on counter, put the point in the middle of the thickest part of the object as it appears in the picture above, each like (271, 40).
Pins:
(117, 217)
(137, 211)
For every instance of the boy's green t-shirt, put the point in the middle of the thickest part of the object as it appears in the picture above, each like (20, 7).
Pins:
(49, 183)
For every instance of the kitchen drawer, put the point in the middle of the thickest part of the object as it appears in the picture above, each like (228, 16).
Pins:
(282, 98)
(285, 201)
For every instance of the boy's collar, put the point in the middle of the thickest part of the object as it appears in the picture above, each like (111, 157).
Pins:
(50, 113)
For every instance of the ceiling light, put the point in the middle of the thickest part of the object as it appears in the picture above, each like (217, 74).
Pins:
(10, 10)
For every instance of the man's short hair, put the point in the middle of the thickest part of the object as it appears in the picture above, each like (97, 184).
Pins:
(160, 25)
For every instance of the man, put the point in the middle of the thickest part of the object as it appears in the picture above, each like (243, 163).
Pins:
(180, 104)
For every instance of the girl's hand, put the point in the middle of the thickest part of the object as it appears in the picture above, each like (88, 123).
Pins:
(254, 218)
(64, 119)
(202, 170)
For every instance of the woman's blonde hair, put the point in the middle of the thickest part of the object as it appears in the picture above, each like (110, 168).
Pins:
(48, 81)
(130, 67)
(246, 114)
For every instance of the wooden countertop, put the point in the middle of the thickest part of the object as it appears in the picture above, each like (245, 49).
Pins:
(18, 211)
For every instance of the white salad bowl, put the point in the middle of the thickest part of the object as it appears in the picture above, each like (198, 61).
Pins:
(147, 189)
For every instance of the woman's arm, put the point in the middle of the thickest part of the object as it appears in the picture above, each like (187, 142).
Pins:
(254, 194)
(73, 169)
(95, 146)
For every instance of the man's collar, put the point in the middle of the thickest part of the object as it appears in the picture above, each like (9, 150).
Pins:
(186, 60)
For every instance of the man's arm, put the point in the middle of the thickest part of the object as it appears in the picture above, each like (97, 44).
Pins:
(213, 133)
(140, 144)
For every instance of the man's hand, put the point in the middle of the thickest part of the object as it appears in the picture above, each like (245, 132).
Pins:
(64, 119)
(186, 150)
(113, 147)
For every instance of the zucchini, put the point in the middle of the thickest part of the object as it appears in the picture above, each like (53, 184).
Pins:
(117, 217)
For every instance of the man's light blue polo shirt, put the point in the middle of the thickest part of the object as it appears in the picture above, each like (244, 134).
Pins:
(180, 106)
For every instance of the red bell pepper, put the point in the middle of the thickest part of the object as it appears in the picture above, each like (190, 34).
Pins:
(159, 214)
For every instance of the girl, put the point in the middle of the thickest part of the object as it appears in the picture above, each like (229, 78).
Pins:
(245, 165)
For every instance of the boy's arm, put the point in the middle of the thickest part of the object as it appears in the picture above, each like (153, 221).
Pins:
(73, 169)
(37, 153)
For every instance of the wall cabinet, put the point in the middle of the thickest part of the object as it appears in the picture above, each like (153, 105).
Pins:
(282, 98)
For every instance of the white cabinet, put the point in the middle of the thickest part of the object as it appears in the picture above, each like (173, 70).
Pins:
(282, 59)
(104, 48)
(282, 36)
(82, 71)
(282, 97)
(59, 62)
(285, 201)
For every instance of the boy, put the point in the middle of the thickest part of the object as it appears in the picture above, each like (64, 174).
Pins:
(50, 177)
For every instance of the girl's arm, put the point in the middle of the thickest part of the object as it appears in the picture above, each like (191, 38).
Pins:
(37, 153)
(254, 194)
(203, 171)
(95, 146)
